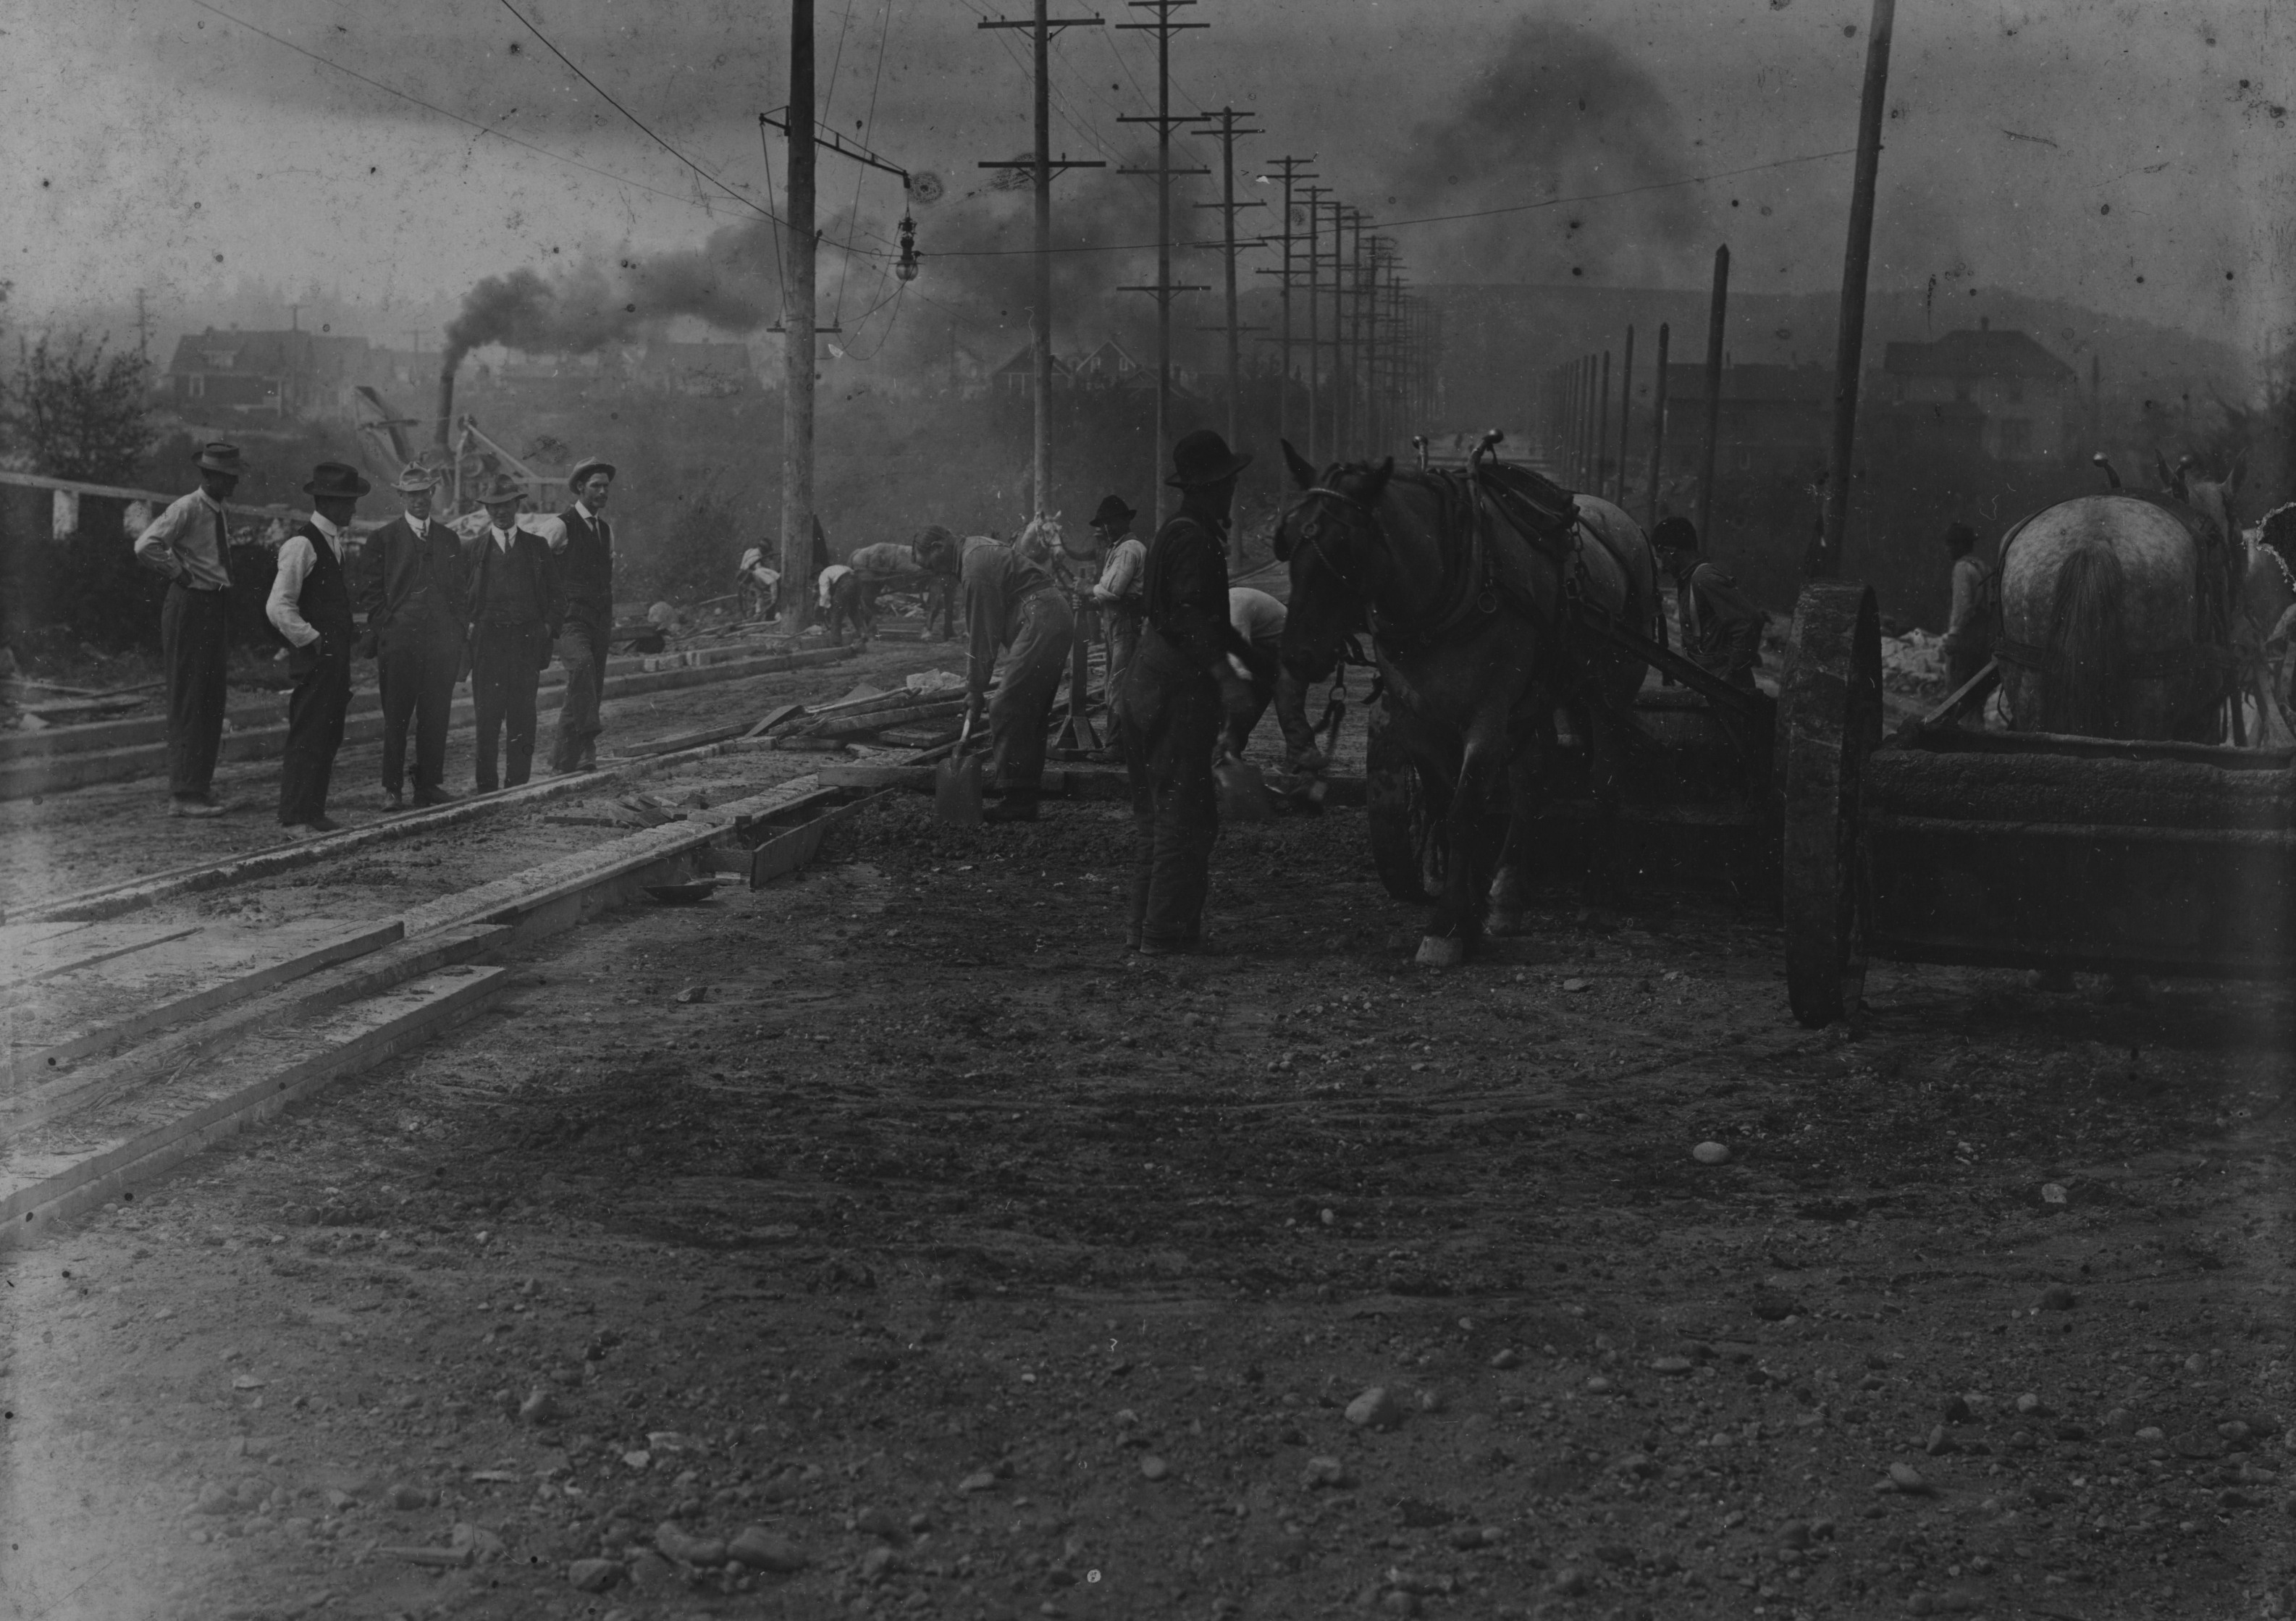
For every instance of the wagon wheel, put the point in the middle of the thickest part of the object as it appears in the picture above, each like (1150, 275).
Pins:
(1410, 842)
(1829, 720)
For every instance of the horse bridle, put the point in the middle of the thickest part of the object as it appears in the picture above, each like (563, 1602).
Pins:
(1313, 532)
(1478, 598)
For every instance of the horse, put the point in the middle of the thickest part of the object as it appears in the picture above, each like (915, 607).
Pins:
(1471, 625)
(2265, 624)
(2115, 613)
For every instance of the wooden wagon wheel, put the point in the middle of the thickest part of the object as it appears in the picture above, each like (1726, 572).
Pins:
(1829, 720)
(1410, 840)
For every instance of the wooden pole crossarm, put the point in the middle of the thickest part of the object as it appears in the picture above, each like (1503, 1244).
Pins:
(837, 143)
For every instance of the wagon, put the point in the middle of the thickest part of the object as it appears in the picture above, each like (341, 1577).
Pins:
(1944, 844)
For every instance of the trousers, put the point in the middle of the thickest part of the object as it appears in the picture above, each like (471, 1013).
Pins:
(193, 649)
(851, 601)
(582, 650)
(1170, 724)
(417, 663)
(1017, 716)
(505, 669)
(315, 728)
(1123, 622)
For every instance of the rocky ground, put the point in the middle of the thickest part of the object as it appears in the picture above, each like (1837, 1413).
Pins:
(888, 1242)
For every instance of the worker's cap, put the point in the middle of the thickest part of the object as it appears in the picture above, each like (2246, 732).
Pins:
(414, 479)
(1203, 457)
(500, 490)
(1676, 534)
(1113, 513)
(217, 457)
(338, 479)
(586, 467)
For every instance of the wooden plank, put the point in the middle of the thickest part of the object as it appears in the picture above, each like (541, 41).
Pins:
(42, 1189)
(288, 1006)
(239, 981)
(71, 952)
(20, 936)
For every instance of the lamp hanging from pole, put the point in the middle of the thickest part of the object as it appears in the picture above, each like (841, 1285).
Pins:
(907, 269)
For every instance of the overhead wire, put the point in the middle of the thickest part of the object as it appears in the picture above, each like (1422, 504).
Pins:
(860, 171)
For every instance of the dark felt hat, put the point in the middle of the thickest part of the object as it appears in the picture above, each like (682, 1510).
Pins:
(1203, 457)
(498, 488)
(337, 478)
(217, 457)
(1113, 513)
(1674, 534)
(587, 465)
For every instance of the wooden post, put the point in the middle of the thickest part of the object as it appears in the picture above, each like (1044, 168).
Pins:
(1657, 428)
(1040, 314)
(1626, 413)
(797, 339)
(1849, 355)
(1602, 429)
(1715, 309)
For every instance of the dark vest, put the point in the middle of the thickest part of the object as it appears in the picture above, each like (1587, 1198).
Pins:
(325, 602)
(417, 581)
(510, 587)
(587, 564)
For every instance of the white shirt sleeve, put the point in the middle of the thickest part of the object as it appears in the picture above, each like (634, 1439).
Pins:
(295, 560)
(548, 525)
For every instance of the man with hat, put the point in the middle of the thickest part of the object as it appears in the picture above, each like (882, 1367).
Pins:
(584, 543)
(1117, 593)
(1721, 629)
(1011, 602)
(310, 605)
(414, 586)
(517, 609)
(1176, 694)
(190, 544)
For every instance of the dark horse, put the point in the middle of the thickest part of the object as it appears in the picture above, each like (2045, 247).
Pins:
(1476, 646)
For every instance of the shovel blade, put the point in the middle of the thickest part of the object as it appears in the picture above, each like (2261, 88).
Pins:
(1243, 790)
(956, 791)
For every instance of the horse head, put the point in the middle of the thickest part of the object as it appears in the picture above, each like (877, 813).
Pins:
(1330, 538)
(2212, 500)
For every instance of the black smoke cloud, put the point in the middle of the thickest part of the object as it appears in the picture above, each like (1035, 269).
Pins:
(1557, 112)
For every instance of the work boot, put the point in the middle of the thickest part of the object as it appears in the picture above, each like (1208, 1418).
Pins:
(1010, 809)
(392, 800)
(314, 827)
(426, 798)
(199, 805)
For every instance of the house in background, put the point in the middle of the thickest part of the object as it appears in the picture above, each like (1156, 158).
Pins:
(275, 373)
(1767, 413)
(1018, 374)
(1109, 366)
(2031, 400)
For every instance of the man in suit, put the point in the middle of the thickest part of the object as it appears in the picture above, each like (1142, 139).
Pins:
(310, 605)
(190, 544)
(517, 608)
(584, 545)
(414, 586)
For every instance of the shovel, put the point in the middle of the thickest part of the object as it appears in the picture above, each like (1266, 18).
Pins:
(1243, 790)
(956, 782)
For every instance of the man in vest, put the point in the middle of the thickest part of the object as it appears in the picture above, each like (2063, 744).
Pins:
(1968, 640)
(518, 608)
(310, 605)
(190, 544)
(1011, 602)
(1721, 629)
(1179, 689)
(584, 544)
(415, 586)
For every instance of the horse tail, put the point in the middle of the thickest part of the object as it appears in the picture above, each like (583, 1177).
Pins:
(2080, 688)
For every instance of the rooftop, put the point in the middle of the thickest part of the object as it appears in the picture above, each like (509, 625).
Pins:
(1983, 354)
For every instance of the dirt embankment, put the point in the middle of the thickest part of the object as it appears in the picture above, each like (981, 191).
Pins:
(895, 1212)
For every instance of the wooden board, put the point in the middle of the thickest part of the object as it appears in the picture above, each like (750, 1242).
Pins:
(68, 952)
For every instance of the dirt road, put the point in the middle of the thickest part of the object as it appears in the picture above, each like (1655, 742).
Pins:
(893, 1211)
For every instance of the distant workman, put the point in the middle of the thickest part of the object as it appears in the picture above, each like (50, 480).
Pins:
(946, 553)
(1117, 593)
(1013, 605)
(310, 605)
(841, 605)
(415, 586)
(1258, 618)
(583, 543)
(1721, 629)
(190, 544)
(1179, 685)
(757, 582)
(1969, 624)
(517, 607)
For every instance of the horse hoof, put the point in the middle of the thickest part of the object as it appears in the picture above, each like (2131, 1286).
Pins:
(1438, 950)
(1505, 923)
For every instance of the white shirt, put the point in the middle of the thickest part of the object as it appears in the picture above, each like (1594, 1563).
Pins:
(504, 538)
(1258, 618)
(284, 608)
(552, 527)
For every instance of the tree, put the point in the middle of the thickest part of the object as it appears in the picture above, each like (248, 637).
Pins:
(81, 411)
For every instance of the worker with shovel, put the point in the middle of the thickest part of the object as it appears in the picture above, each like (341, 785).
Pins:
(1012, 604)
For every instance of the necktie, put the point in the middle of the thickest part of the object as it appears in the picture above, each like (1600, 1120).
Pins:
(223, 546)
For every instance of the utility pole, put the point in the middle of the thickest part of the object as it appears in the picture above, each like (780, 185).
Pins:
(1602, 429)
(1849, 342)
(1716, 307)
(143, 326)
(1228, 206)
(797, 341)
(1658, 428)
(1291, 172)
(1626, 412)
(1314, 321)
(1165, 291)
(1346, 316)
(1040, 314)
(1380, 247)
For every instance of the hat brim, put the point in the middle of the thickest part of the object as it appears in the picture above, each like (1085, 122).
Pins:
(363, 488)
(1237, 462)
(237, 469)
(405, 487)
(583, 470)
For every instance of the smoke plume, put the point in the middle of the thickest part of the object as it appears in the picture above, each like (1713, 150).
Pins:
(1558, 112)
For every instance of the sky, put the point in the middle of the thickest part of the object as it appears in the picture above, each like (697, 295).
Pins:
(2122, 155)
